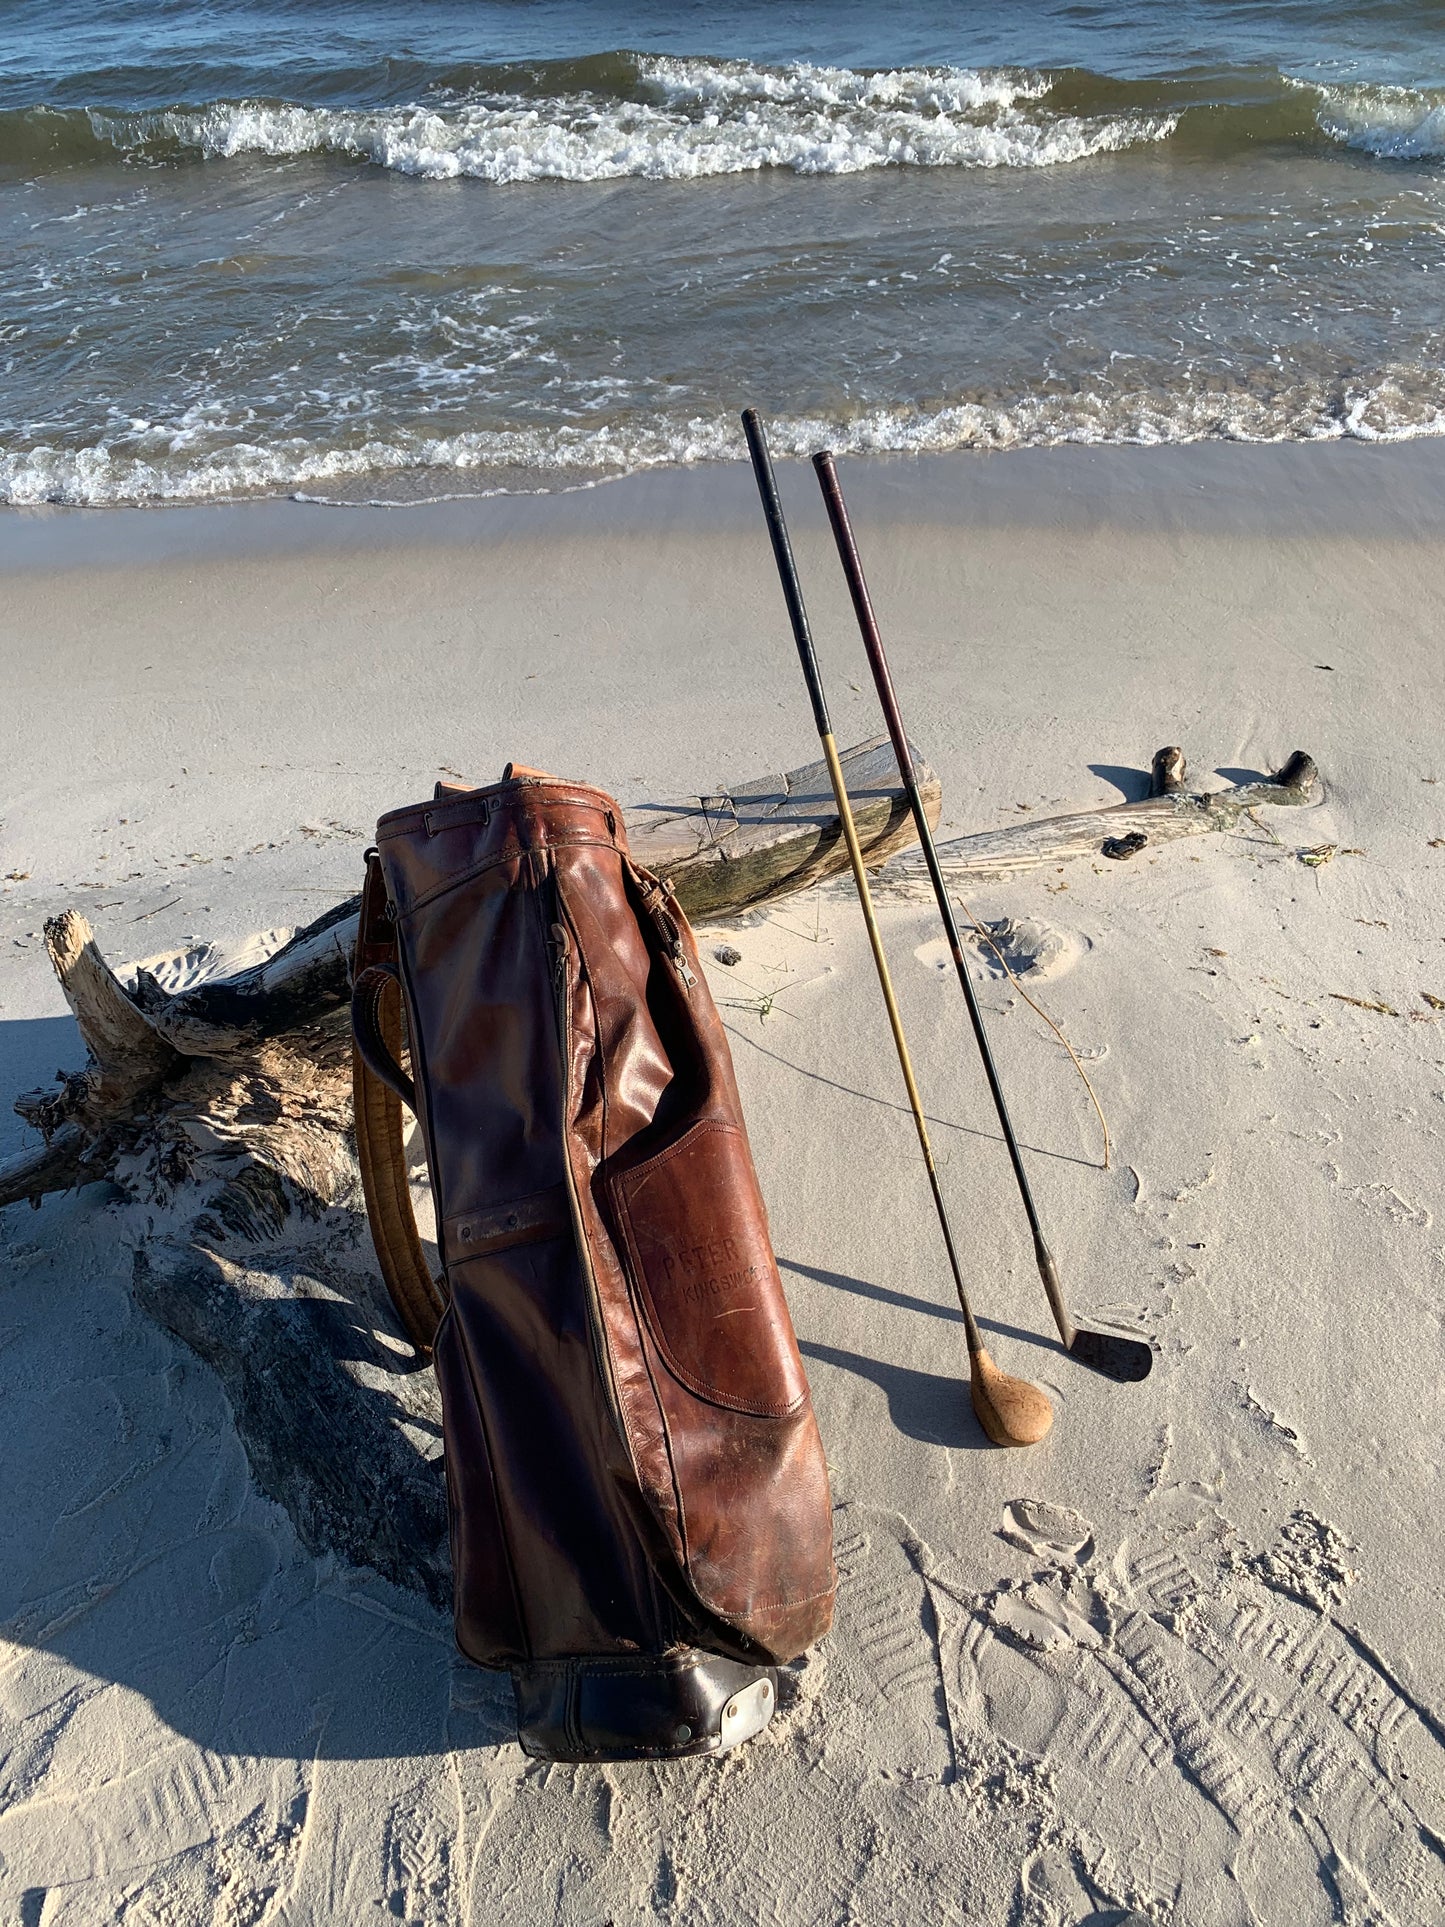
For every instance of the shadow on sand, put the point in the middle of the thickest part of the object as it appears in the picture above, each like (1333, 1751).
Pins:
(140, 1551)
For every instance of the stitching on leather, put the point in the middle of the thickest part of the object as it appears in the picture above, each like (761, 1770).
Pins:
(673, 1150)
(616, 1668)
(637, 1418)
(499, 795)
(774, 1607)
(435, 819)
(767, 1609)
(508, 854)
(369, 991)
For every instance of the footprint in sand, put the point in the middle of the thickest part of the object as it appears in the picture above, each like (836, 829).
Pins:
(1053, 1532)
(1047, 1617)
(1269, 1736)
(1028, 947)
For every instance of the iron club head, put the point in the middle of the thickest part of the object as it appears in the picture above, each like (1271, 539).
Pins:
(1010, 1410)
(1125, 1359)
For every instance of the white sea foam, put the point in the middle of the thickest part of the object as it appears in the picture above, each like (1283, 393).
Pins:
(939, 90)
(203, 458)
(696, 119)
(1396, 123)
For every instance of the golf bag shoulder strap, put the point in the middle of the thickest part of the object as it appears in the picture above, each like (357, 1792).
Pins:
(379, 1086)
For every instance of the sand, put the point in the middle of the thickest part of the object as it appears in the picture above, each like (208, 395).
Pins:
(1183, 1658)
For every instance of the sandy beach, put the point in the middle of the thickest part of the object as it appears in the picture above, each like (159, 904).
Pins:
(1181, 1661)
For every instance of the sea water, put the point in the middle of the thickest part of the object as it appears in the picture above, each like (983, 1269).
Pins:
(355, 249)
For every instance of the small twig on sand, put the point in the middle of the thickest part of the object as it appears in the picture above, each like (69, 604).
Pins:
(760, 1005)
(816, 936)
(763, 1002)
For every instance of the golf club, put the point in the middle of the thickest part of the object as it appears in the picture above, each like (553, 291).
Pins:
(1121, 1358)
(1010, 1410)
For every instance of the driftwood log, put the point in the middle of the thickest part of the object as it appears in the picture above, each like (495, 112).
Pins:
(1169, 812)
(220, 1119)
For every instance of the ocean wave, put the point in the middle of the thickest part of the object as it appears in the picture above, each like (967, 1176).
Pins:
(201, 458)
(505, 146)
(1394, 123)
(669, 117)
(655, 118)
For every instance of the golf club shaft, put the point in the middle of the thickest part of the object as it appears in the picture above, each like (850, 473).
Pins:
(883, 681)
(802, 636)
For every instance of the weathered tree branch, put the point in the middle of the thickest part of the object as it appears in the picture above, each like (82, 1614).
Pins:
(127, 1057)
(1168, 813)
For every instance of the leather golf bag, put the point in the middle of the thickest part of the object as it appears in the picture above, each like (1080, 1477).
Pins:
(638, 1499)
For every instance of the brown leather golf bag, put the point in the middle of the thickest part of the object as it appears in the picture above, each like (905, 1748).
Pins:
(638, 1499)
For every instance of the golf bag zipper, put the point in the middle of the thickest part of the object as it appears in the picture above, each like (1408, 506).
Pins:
(655, 896)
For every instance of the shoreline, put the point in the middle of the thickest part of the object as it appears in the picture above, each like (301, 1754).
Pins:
(1393, 490)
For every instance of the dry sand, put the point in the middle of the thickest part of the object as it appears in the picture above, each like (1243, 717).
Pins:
(1184, 1658)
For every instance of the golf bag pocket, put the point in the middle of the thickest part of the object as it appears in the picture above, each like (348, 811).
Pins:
(694, 1230)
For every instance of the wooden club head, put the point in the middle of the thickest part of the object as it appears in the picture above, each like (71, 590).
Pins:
(1010, 1410)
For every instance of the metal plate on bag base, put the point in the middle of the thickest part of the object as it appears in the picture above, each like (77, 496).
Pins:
(746, 1714)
